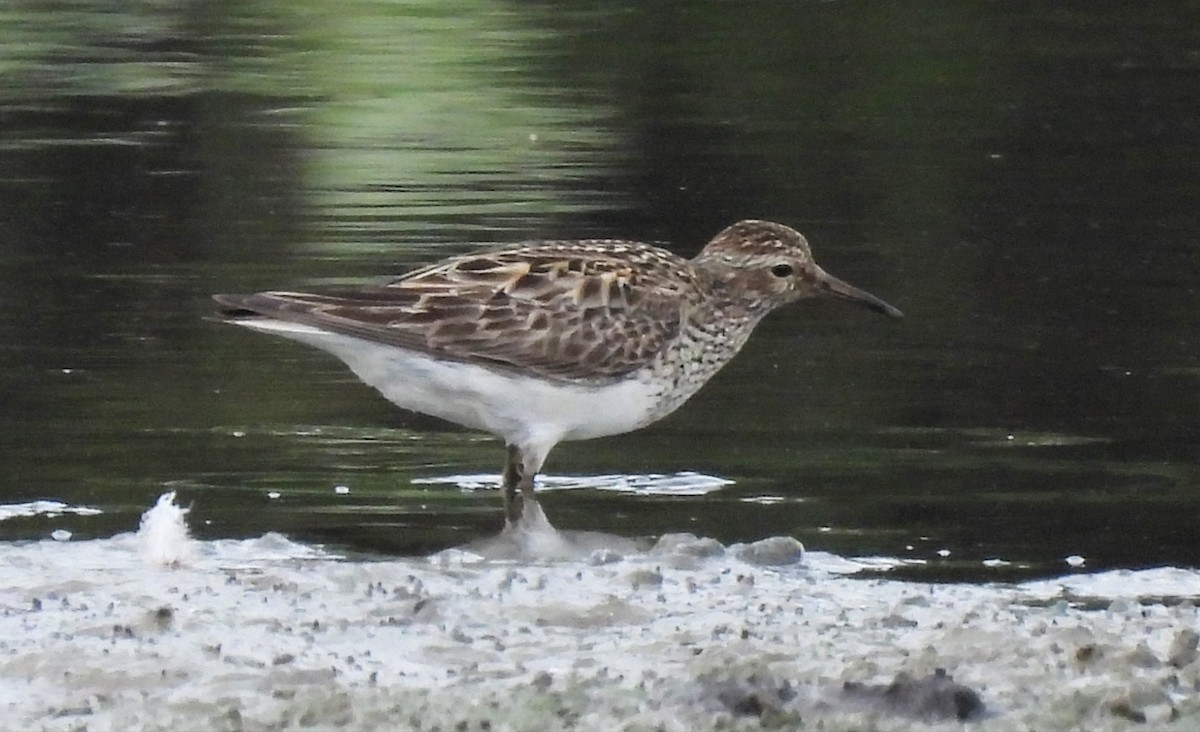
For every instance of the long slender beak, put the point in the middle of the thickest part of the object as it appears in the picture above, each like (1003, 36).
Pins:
(830, 286)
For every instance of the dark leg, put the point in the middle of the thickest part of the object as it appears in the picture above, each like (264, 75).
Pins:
(517, 476)
(512, 479)
(526, 486)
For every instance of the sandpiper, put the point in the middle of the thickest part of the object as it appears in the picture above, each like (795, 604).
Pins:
(547, 341)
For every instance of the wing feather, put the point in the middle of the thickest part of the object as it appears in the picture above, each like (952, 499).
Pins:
(575, 311)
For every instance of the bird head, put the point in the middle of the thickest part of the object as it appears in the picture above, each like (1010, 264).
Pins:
(773, 264)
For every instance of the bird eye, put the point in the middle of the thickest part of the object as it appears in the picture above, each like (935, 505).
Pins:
(782, 270)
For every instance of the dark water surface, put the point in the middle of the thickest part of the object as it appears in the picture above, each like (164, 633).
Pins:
(1023, 179)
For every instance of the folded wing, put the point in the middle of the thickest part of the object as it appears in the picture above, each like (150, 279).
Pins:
(563, 310)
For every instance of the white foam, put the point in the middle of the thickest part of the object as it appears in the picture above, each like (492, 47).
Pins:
(684, 483)
(163, 533)
(44, 508)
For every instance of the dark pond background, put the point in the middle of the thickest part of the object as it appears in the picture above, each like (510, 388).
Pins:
(1023, 179)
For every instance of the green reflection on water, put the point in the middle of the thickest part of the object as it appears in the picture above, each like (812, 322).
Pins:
(429, 115)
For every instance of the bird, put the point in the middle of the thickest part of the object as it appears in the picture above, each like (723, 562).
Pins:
(542, 342)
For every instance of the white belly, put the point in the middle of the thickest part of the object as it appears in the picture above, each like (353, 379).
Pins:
(521, 410)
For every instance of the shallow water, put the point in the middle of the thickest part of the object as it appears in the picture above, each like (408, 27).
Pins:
(1023, 182)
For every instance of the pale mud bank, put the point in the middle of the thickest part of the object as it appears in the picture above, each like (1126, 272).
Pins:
(540, 631)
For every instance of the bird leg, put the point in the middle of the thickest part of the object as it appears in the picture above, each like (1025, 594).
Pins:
(511, 479)
(516, 477)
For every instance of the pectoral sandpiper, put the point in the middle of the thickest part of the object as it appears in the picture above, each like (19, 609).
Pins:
(547, 341)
